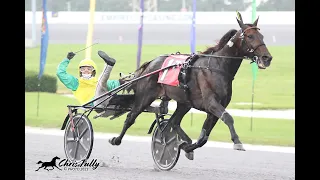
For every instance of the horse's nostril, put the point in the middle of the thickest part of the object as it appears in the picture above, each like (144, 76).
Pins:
(266, 58)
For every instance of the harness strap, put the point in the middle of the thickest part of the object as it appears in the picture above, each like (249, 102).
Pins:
(214, 69)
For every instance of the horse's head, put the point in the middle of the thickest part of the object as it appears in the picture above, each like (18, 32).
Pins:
(56, 157)
(251, 44)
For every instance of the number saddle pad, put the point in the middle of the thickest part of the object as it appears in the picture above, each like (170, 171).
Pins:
(170, 75)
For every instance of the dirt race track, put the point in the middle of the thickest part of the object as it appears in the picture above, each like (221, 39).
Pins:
(132, 161)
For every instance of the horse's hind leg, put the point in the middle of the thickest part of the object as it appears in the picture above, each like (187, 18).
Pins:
(57, 167)
(39, 168)
(175, 120)
(142, 101)
(208, 125)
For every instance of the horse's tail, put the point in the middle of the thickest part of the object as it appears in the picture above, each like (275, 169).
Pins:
(40, 162)
(138, 73)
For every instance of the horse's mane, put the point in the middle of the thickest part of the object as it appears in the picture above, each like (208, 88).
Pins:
(140, 70)
(222, 42)
(137, 73)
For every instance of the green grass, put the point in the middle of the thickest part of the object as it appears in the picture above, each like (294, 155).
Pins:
(265, 131)
(274, 88)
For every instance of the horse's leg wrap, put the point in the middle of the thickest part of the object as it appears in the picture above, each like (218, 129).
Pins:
(203, 138)
(227, 118)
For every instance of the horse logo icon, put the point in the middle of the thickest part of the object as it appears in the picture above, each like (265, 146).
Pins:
(52, 164)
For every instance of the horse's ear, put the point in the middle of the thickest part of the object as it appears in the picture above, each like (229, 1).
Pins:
(239, 16)
(256, 22)
(239, 19)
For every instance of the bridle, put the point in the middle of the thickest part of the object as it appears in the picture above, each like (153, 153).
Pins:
(244, 42)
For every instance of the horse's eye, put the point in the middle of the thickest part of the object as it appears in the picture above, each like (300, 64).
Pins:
(250, 36)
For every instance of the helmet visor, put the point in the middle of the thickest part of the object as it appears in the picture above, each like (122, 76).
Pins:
(87, 69)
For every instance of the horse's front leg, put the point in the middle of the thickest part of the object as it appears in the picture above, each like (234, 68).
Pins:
(215, 108)
(208, 125)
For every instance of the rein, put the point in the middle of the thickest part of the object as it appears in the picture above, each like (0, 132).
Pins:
(243, 42)
(186, 64)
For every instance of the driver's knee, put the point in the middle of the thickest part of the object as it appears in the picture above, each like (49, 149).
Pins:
(121, 81)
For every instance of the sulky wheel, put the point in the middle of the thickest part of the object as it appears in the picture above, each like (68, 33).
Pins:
(164, 149)
(78, 141)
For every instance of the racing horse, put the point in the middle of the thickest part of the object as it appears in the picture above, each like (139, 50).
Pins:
(210, 84)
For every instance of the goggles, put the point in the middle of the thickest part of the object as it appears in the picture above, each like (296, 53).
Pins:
(86, 68)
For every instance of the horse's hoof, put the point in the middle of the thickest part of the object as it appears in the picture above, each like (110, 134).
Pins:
(114, 141)
(190, 155)
(111, 141)
(238, 147)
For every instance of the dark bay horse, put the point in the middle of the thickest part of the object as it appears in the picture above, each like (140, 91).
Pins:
(210, 84)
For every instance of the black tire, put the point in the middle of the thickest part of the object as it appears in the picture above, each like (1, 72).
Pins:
(73, 144)
(171, 151)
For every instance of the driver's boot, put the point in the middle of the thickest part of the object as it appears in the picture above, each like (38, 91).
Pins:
(107, 59)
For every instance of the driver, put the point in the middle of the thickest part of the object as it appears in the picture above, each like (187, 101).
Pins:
(86, 87)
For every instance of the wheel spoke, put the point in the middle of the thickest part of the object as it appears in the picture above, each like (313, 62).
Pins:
(171, 140)
(170, 154)
(162, 153)
(79, 121)
(77, 129)
(83, 146)
(76, 150)
(157, 141)
(84, 131)
(70, 140)
(77, 126)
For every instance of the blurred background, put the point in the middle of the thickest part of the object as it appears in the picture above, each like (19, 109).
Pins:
(214, 17)
(165, 5)
(168, 26)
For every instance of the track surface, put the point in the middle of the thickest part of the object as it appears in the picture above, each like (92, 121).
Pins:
(157, 34)
(133, 161)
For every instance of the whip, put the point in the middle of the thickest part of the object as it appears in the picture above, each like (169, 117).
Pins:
(86, 48)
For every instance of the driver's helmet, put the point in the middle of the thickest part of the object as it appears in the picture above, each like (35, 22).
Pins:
(87, 69)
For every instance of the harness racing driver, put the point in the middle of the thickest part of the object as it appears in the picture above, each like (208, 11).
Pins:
(86, 87)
